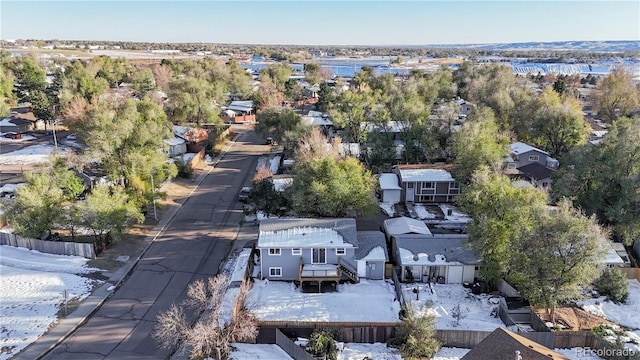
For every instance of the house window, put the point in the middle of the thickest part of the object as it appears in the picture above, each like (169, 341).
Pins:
(455, 185)
(341, 251)
(297, 251)
(534, 157)
(274, 251)
(410, 185)
(275, 272)
(319, 256)
(428, 185)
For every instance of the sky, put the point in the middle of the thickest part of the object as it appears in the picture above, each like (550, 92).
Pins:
(307, 22)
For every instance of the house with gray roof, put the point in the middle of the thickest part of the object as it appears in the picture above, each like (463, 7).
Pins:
(430, 183)
(319, 250)
(442, 258)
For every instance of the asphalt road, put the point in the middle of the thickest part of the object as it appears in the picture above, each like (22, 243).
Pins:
(192, 247)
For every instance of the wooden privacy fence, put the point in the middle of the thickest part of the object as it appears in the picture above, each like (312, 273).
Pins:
(632, 273)
(556, 339)
(293, 350)
(86, 250)
(345, 331)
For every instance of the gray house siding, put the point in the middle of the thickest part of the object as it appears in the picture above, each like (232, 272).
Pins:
(442, 192)
(290, 264)
(523, 159)
(375, 270)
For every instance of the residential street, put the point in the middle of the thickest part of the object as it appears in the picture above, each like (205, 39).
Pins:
(191, 247)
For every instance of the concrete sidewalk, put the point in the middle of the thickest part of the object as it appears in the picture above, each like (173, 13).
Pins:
(68, 325)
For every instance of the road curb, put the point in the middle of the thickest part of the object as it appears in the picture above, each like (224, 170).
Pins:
(111, 289)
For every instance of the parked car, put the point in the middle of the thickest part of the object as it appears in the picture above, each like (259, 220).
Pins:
(244, 194)
(12, 135)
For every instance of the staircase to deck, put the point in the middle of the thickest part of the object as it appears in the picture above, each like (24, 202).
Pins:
(348, 272)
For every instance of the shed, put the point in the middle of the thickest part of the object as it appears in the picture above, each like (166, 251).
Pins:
(389, 189)
(371, 255)
(176, 146)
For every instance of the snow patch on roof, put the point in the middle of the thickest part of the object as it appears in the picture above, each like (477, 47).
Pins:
(389, 182)
(377, 253)
(408, 258)
(302, 237)
(413, 175)
(174, 141)
(520, 148)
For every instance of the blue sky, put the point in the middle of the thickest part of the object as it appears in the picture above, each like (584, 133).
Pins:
(322, 23)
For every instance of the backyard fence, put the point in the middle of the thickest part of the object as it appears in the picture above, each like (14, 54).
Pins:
(357, 332)
(86, 250)
(293, 350)
(632, 273)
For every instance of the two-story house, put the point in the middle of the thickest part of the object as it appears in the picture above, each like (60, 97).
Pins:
(532, 164)
(427, 183)
(319, 251)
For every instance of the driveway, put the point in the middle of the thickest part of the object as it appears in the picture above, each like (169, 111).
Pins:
(192, 246)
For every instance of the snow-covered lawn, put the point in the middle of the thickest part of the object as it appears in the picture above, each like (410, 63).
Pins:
(478, 310)
(367, 301)
(257, 351)
(31, 293)
(623, 314)
(377, 351)
(29, 155)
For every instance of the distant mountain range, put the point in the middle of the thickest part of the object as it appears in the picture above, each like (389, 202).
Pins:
(592, 46)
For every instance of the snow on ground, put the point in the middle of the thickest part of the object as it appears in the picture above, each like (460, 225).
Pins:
(22, 139)
(388, 209)
(450, 353)
(456, 215)
(29, 155)
(623, 314)
(257, 351)
(31, 293)
(422, 212)
(367, 301)
(478, 309)
(377, 351)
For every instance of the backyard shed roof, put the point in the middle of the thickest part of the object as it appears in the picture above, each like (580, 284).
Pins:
(432, 250)
(405, 225)
(372, 246)
(389, 182)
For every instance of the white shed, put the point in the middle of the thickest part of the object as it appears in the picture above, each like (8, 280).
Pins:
(389, 188)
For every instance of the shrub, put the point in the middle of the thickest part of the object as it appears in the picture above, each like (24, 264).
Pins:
(613, 284)
(321, 343)
(184, 170)
(415, 337)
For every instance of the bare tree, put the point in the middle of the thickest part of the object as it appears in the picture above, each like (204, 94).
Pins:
(212, 334)
(316, 146)
(459, 312)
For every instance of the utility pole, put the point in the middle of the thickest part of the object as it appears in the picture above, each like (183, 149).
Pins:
(153, 191)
